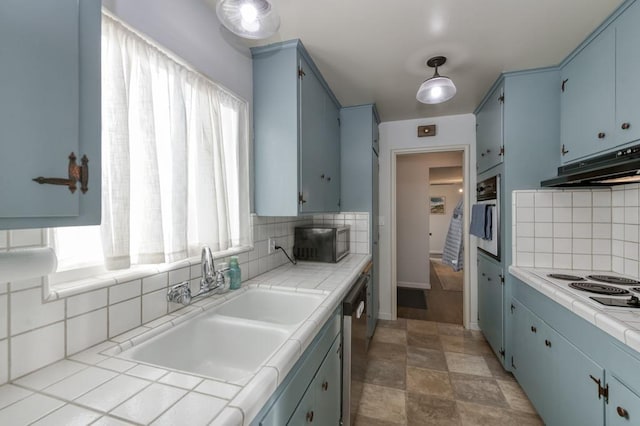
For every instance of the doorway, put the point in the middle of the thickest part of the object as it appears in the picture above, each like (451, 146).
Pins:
(429, 192)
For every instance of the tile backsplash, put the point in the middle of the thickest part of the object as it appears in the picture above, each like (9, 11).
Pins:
(597, 229)
(35, 332)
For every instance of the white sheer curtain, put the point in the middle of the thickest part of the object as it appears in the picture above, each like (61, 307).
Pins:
(175, 156)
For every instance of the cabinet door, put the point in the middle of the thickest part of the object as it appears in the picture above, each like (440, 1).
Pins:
(331, 158)
(49, 108)
(587, 104)
(305, 413)
(374, 300)
(623, 407)
(328, 387)
(313, 134)
(571, 388)
(489, 131)
(490, 303)
(627, 82)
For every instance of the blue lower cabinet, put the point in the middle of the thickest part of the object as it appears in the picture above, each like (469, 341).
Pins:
(490, 304)
(312, 392)
(623, 407)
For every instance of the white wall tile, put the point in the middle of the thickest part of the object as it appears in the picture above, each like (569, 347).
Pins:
(49, 342)
(124, 291)
(601, 215)
(617, 197)
(562, 199)
(154, 305)
(581, 214)
(526, 260)
(525, 214)
(631, 267)
(630, 250)
(543, 199)
(526, 244)
(543, 260)
(28, 311)
(525, 198)
(562, 214)
(124, 316)
(544, 245)
(631, 197)
(543, 214)
(25, 238)
(86, 330)
(26, 284)
(179, 275)
(581, 230)
(581, 261)
(582, 246)
(601, 198)
(4, 361)
(617, 264)
(525, 229)
(631, 233)
(617, 231)
(617, 248)
(562, 245)
(617, 214)
(155, 282)
(601, 263)
(601, 230)
(631, 215)
(562, 230)
(4, 316)
(562, 261)
(601, 246)
(582, 199)
(86, 302)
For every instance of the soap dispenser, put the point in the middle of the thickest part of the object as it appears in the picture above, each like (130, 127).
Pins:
(234, 273)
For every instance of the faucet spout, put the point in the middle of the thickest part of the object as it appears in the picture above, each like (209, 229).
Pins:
(208, 270)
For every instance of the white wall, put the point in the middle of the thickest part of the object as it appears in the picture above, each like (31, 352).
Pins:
(396, 136)
(439, 223)
(412, 214)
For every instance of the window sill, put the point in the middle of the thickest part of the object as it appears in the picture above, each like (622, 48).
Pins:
(54, 290)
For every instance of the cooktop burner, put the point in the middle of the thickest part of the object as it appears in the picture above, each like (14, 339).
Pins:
(613, 280)
(632, 302)
(599, 288)
(566, 277)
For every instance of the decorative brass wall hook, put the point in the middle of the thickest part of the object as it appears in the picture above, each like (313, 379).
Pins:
(76, 174)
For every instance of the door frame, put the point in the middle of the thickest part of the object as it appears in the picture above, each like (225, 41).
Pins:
(466, 288)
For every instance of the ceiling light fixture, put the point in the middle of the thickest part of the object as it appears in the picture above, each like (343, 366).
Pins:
(437, 89)
(254, 19)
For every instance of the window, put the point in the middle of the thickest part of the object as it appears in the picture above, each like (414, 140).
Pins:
(175, 162)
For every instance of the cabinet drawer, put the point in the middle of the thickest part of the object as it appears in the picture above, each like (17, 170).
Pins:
(625, 366)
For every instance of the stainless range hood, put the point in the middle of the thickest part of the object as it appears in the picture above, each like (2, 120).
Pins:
(614, 168)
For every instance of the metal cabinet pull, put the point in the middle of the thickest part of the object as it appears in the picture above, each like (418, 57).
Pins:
(625, 126)
(76, 174)
(601, 135)
(325, 385)
(310, 417)
(547, 343)
(622, 412)
(564, 150)
(533, 329)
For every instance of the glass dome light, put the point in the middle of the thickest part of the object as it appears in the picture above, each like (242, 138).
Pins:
(438, 88)
(254, 19)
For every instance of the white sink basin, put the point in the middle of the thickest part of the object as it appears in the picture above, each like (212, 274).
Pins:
(273, 306)
(232, 341)
(212, 345)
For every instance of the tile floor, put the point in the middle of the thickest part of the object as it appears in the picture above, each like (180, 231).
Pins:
(429, 373)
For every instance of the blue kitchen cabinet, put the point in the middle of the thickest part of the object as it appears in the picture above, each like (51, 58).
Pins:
(311, 393)
(600, 88)
(558, 378)
(359, 145)
(490, 301)
(49, 109)
(296, 133)
(529, 154)
(587, 99)
(624, 410)
(489, 130)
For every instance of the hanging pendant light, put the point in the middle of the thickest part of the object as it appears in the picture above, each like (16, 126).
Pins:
(437, 89)
(254, 19)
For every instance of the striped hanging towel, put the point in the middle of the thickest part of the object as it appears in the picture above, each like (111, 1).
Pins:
(452, 253)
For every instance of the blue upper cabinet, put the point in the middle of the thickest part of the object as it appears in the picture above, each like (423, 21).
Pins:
(296, 134)
(489, 130)
(600, 89)
(49, 108)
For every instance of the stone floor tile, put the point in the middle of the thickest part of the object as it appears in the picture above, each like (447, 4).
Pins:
(424, 340)
(467, 364)
(400, 323)
(383, 404)
(387, 351)
(479, 390)
(428, 410)
(386, 373)
(481, 415)
(445, 329)
(516, 397)
(465, 345)
(426, 358)
(422, 327)
(429, 382)
(390, 335)
(369, 421)
(496, 368)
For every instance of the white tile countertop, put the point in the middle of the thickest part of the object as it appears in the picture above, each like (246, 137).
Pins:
(99, 388)
(621, 323)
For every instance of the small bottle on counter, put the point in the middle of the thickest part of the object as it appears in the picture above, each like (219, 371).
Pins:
(234, 273)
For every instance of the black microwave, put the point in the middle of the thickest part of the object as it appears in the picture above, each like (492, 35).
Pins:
(320, 243)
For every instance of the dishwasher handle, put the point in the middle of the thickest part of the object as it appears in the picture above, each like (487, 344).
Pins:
(360, 310)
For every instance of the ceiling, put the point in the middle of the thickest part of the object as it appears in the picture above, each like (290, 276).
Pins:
(375, 50)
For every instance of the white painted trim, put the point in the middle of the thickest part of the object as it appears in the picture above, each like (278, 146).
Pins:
(466, 289)
(407, 284)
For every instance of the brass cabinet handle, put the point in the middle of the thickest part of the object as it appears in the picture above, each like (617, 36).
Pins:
(325, 385)
(310, 416)
(625, 126)
(622, 412)
(533, 329)
(601, 135)
(76, 174)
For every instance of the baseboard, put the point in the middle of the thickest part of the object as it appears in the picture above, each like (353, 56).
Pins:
(422, 286)
(474, 325)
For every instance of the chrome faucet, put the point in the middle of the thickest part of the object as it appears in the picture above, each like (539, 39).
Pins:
(211, 281)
